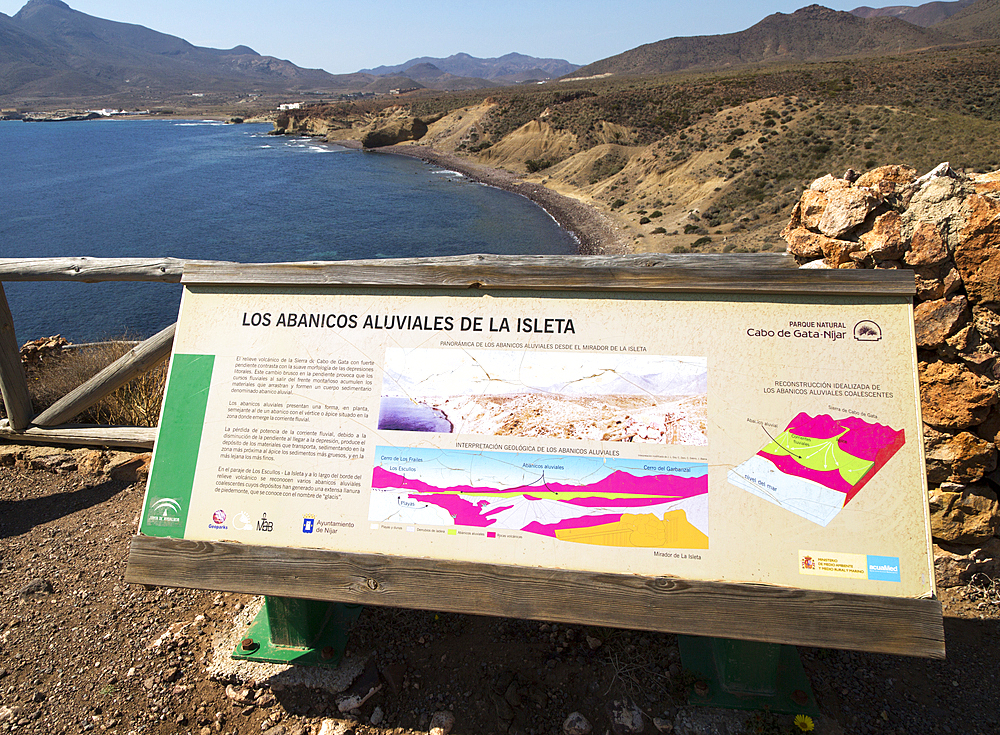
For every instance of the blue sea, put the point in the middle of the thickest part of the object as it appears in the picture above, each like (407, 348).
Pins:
(206, 190)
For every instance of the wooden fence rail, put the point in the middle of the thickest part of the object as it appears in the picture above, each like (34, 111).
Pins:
(22, 424)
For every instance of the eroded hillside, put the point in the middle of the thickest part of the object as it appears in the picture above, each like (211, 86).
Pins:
(701, 163)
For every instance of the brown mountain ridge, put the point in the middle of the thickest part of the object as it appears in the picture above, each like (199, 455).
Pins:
(925, 15)
(978, 21)
(50, 52)
(50, 49)
(813, 33)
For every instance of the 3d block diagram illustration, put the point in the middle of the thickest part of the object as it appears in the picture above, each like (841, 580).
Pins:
(817, 465)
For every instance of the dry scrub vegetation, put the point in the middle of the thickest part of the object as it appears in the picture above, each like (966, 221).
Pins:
(54, 368)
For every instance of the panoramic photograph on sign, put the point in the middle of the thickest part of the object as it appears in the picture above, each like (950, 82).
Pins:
(702, 436)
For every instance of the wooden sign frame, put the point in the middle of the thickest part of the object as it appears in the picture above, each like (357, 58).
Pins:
(723, 607)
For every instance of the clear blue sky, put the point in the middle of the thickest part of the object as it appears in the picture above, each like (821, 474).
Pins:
(344, 37)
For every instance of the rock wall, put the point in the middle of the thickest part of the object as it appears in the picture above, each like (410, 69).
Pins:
(374, 130)
(945, 227)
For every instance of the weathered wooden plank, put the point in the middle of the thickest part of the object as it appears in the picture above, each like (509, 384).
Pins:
(558, 277)
(169, 270)
(92, 270)
(136, 361)
(136, 437)
(642, 260)
(13, 383)
(744, 611)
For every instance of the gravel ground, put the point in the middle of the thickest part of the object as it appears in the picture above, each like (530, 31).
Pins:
(82, 651)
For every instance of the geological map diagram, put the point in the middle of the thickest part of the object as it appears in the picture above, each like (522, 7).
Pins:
(817, 465)
(581, 499)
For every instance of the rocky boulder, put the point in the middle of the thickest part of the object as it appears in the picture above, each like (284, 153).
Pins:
(887, 180)
(937, 320)
(884, 241)
(977, 254)
(394, 130)
(846, 209)
(953, 397)
(955, 566)
(959, 458)
(986, 183)
(927, 246)
(969, 516)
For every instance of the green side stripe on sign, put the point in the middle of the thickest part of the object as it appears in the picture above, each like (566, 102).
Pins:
(171, 477)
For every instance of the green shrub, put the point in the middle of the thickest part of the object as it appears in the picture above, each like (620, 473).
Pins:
(607, 166)
(701, 241)
(735, 153)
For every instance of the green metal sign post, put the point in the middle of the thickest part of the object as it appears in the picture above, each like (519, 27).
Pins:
(747, 675)
(294, 631)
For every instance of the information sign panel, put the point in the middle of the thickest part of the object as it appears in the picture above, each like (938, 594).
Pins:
(718, 436)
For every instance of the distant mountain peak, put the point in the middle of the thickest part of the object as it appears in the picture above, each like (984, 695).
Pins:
(509, 67)
(812, 33)
(34, 6)
(924, 15)
(814, 9)
(54, 3)
(49, 50)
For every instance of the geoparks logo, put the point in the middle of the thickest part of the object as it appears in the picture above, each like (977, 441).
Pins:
(164, 512)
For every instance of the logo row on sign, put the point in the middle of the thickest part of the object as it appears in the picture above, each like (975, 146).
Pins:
(241, 522)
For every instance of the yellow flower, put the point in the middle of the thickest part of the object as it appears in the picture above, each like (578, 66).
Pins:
(804, 723)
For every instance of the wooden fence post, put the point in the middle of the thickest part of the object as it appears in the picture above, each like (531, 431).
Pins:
(13, 383)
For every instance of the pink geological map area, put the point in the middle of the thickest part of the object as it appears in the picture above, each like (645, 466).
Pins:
(617, 490)
(875, 443)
